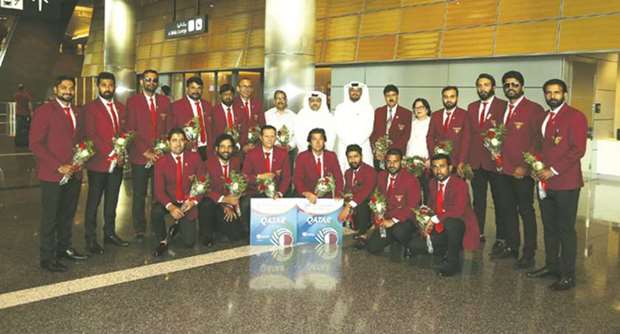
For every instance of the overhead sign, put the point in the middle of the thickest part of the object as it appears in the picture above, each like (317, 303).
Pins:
(187, 27)
(12, 4)
(47, 9)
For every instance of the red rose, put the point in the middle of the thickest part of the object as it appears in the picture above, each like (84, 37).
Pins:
(228, 180)
(439, 228)
(82, 146)
(490, 134)
(203, 179)
(373, 199)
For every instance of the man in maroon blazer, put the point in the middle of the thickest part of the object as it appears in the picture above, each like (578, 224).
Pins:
(402, 192)
(454, 224)
(393, 120)
(484, 114)
(227, 115)
(564, 133)
(313, 164)
(250, 106)
(104, 119)
(450, 124)
(522, 120)
(172, 191)
(190, 107)
(56, 129)
(359, 181)
(220, 207)
(147, 114)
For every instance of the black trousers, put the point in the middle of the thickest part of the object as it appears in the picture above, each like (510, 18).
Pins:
(292, 155)
(423, 180)
(107, 185)
(361, 217)
(140, 181)
(479, 186)
(59, 204)
(449, 242)
(212, 222)
(399, 233)
(187, 227)
(202, 150)
(559, 213)
(22, 130)
(517, 199)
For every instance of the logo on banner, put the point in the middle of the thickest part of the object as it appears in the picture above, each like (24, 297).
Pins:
(12, 4)
(282, 238)
(327, 236)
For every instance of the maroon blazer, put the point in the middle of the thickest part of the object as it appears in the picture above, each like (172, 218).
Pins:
(219, 122)
(479, 156)
(405, 196)
(139, 120)
(99, 128)
(365, 182)
(458, 133)
(182, 113)
(564, 149)
(52, 139)
(254, 164)
(214, 169)
(399, 131)
(522, 134)
(306, 177)
(256, 106)
(166, 178)
(456, 205)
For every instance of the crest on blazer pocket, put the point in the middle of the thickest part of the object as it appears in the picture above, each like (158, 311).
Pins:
(399, 198)
(457, 130)
(557, 139)
(401, 127)
(518, 125)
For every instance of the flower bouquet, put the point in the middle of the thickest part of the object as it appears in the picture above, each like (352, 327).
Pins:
(192, 129)
(283, 136)
(160, 147)
(325, 185)
(267, 186)
(118, 156)
(492, 140)
(200, 185)
(444, 147)
(378, 206)
(254, 135)
(415, 165)
(382, 145)
(423, 216)
(234, 133)
(535, 162)
(81, 153)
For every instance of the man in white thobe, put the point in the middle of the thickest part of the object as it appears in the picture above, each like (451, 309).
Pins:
(354, 120)
(314, 114)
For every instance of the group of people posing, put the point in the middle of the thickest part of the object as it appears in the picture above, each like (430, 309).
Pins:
(363, 151)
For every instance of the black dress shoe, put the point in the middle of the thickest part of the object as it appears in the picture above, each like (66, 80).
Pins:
(115, 240)
(94, 248)
(54, 266)
(446, 270)
(498, 247)
(208, 242)
(525, 262)
(161, 249)
(360, 243)
(565, 283)
(71, 254)
(506, 253)
(543, 272)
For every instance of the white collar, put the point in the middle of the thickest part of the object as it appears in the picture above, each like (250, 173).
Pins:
(225, 107)
(105, 102)
(516, 102)
(62, 104)
(444, 182)
(451, 111)
(395, 107)
(149, 97)
(270, 151)
(317, 156)
(192, 101)
(175, 156)
(557, 110)
(223, 163)
(488, 101)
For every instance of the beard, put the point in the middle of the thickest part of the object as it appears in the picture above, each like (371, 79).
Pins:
(224, 155)
(485, 95)
(65, 98)
(393, 170)
(553, 103)
(107, 95)
(449, 105)
(227, 103)
(354, 98)
(354, 165)
(512, 94)
(441, 177)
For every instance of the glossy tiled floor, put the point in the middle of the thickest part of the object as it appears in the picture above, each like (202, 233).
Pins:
(304, 289)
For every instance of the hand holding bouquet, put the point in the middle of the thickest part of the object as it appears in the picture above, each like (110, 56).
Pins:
(325, 185)
(118, 156)
(160, 147)
(81, 153)
(378, 206)
(492, 140)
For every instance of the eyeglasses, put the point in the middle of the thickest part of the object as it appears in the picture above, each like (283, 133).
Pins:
(512, 84)
(154, 80)
(420, 108)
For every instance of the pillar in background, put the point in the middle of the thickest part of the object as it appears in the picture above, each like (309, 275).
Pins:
(289, 49)
(119, 45)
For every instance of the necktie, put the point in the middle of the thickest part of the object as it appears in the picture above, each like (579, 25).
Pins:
(482, 112)
(247, 109)
(447, 122)
(114, 117)
(201, 122)
(439, 199)
(353, 178)
(68, 114)
(225, 168)
(319, 167)
(229, 118)
(179, 181)
(550, 123)
(391, 184)
(389, 121)
(267, 162)
(153, 117)
(510, 109)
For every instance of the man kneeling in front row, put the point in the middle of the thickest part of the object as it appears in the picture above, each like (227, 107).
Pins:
(454, 223)
(172, 191)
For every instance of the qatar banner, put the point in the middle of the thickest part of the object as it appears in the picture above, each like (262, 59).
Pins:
(273, 222)
(318, 223)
